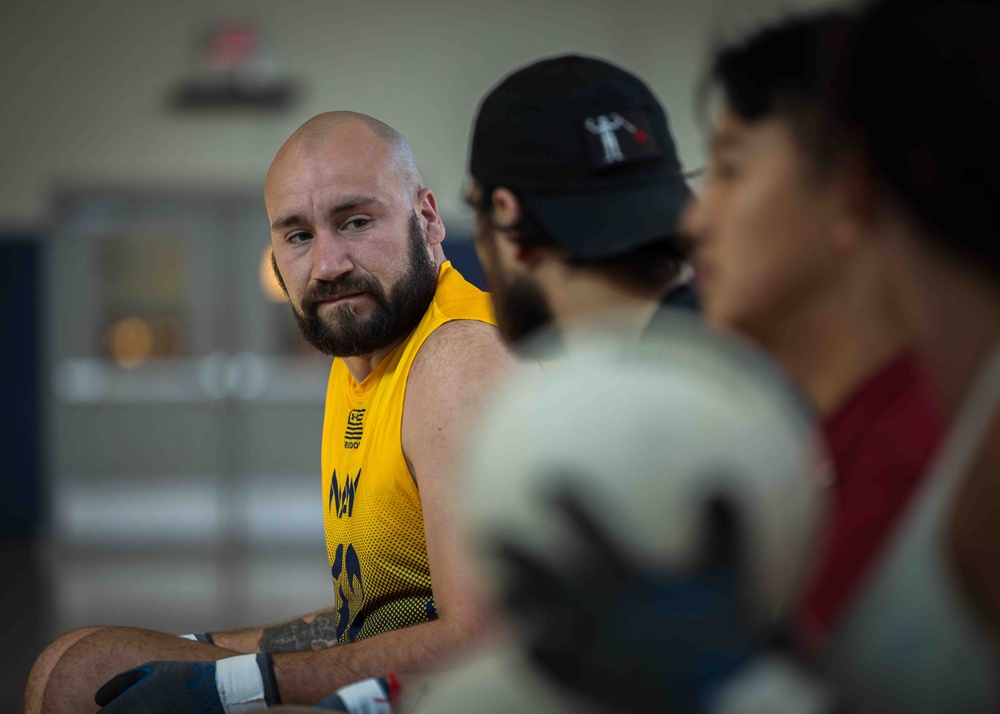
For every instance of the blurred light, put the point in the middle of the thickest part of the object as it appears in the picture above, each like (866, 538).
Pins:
(130, 341)
(232, 44)
(168, 337)
(268, 283)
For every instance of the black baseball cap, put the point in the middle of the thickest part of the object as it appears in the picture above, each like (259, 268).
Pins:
(587, 147)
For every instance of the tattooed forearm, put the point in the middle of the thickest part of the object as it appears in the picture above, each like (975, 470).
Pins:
(301, 636)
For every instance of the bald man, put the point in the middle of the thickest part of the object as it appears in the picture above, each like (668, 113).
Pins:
(356, 244)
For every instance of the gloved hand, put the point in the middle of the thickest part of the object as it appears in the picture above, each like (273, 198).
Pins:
(629, 638)
(196, 687)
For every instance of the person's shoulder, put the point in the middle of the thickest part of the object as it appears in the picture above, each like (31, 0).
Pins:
(461, 348)
(465, 333)
(458, 369)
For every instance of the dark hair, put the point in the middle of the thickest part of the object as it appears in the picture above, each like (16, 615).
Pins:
(788, 70)
(928, 112)
(651, 266)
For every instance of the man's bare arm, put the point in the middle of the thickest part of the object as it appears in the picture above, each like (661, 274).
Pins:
(79, 671)
(68, 687)
(307, 677)
(454, 373)
(306, 633)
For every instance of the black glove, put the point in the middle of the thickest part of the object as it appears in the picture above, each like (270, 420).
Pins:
(629, 638)
(195, 687)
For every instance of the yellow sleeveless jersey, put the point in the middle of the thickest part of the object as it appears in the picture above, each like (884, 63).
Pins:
(371, 506)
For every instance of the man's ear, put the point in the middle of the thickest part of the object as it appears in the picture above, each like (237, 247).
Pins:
(429, 218)
(507, 211)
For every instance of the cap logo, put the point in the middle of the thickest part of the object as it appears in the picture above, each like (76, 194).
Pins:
(605, 126)
(608, 147)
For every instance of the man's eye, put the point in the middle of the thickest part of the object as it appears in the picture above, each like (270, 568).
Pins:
(297, 237)
(356, 224)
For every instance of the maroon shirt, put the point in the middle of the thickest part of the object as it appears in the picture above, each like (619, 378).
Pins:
(882, 440)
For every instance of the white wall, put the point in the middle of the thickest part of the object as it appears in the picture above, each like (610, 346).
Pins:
(84, 84)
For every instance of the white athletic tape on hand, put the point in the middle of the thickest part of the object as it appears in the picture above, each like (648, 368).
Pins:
(365, 697)
(189, 637)
(240, 686)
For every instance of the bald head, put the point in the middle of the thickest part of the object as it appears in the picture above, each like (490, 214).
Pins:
(324, 129)
(352, 225)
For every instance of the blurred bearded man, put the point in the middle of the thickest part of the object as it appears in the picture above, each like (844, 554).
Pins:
(578, 192)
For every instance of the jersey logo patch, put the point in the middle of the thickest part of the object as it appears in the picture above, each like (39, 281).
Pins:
(355, 428)
(343, 498)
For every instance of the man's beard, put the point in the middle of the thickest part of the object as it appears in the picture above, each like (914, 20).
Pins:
(343, 333)
(522, 311)
(521, 308)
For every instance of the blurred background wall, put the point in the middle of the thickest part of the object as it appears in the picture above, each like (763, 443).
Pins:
(161, 419)
(85, 85)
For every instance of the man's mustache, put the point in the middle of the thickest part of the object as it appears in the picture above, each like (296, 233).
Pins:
(347, 284)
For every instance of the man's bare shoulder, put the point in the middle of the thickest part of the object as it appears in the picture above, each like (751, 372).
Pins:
(458, 359)
(461, 346)
(457, 369)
